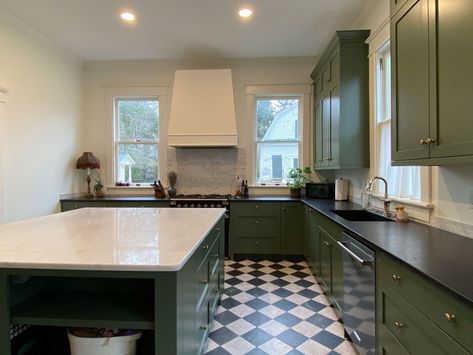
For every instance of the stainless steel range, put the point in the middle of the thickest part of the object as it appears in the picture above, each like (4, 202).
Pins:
(206, 201)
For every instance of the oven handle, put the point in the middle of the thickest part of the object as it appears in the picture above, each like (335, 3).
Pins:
(353, 255)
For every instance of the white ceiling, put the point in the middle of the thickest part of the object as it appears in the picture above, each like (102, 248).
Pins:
(170, 29)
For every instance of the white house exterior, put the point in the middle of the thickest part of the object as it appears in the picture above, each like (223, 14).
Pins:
(275, 156)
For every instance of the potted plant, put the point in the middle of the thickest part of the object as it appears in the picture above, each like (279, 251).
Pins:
(99, 188)
(297, 179)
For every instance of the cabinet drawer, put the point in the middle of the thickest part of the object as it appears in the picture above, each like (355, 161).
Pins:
(258, 245)
(396, 5)
(255, 208)
(417, 333)
(202, 280)
(258, 226)
(202, 326)
(204, 248)
(388, 344)
(437, 304)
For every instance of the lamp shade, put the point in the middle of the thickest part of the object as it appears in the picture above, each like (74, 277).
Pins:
(88, 160)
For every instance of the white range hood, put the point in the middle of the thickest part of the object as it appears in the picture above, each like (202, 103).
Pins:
(202, 109)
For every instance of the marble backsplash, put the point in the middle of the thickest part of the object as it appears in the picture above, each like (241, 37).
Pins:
(207, 170)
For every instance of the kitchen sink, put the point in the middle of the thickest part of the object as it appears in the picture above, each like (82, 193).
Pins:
(360, 215)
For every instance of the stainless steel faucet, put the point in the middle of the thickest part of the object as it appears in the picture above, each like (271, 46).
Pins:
(386, 200)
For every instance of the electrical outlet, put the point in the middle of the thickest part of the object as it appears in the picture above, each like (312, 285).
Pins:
(470, 198)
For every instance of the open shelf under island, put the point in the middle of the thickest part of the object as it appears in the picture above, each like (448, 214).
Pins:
(156, 270)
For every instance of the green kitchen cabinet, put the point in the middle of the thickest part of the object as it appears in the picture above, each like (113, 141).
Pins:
(314, 242)
(306, 232)
(325, 273)
(432, 90)
(292, 228)
(418, 313)
(341, 111)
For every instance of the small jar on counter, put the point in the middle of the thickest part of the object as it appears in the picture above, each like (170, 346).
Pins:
(401, 214)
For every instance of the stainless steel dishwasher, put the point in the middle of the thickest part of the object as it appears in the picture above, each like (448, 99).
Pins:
(359, 293)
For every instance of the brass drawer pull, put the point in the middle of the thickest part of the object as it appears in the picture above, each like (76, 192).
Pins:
(396, 278)
(283, 208)
(205, 247)
(326, 243)
(422, 142)
(257, 222)
(205, 282)
(216, 290)
(256, 206)
(450, 317)
(203, 327)
(256, 243)
(218, 229)
(398, 325)
(216, 255)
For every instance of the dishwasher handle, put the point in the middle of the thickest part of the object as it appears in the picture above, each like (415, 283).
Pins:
(353, 255)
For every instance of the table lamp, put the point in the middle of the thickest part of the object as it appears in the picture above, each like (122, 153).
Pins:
(88, 161)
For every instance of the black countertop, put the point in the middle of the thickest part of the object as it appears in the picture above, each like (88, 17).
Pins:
(444, 257)
(115, 198)
(265, 198)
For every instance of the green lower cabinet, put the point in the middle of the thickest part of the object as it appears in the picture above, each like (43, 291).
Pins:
(314, 243)
(337, 276)
(412, 329)
(325, 274)
(292, 228)
(306, 232)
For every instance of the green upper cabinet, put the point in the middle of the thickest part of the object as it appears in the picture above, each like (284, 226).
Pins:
(341, 111)
(432, 85)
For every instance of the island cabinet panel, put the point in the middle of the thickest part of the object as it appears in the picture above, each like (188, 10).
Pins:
(174, 309)
(452, 317)
(341, 103)
(431, 83)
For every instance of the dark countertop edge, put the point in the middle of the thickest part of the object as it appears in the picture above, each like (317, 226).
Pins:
(265, 198)
(353, 232)
(114, 198)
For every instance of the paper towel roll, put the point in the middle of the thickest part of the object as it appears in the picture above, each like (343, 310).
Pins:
(341, 189)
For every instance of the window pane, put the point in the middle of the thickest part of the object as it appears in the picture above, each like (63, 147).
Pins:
(138, 119)
(277, 166)
(272, 169)
(137, 163)
(277, 119)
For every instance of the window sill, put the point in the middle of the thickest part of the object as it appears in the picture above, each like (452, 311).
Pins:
(405, 201)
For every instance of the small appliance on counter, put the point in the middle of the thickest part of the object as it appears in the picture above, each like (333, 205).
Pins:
(341, 189)
(320, 190)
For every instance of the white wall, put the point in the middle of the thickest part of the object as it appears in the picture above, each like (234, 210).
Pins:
(136, 73)
(450, 184)
(42, 123)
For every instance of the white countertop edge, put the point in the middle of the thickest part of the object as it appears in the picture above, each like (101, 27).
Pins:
(117, 268)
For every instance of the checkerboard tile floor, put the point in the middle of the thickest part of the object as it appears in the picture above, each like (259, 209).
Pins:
(275, 307)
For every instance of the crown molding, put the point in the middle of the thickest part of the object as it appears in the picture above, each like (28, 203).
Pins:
(366, 12)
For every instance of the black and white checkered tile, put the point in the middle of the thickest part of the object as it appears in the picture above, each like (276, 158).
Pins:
(272, 307)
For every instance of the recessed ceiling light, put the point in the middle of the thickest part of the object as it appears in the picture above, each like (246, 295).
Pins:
(245, 12)
(127, 16)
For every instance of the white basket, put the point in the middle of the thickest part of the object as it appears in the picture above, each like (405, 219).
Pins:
(120, 345)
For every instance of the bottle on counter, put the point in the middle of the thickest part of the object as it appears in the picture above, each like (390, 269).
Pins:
(237, 187)
(246, 189)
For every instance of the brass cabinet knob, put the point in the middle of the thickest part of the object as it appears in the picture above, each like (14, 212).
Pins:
(257, 222)
(203, 327)
(205, 282)
(450, 317)
(218, 229)
(205, 247)
(422, 142)
(430, 140)
(283, 208)
(328, 159)
(216, 255)
(256, 243)
(396, 277)
(326, 243)
(256, 206)
(216, 290)
(398, 325)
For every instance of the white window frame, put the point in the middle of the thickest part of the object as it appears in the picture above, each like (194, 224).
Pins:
(276, 91)
(112, 94)
(377, 45)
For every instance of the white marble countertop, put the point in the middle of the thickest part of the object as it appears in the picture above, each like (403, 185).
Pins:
(121, 239)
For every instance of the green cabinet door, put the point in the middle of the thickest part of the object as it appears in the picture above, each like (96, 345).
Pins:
(337, 275)
(326, 130)
(292, 228)
(453, 129)
(318, 137)
(325, 273)
(334, 127)
(306, 232)
(314, 242)
(410, 81)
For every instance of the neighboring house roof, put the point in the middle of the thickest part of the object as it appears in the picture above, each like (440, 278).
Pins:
(283, 125)
(126, 159)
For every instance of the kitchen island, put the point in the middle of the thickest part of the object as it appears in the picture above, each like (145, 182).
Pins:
(157, 270)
